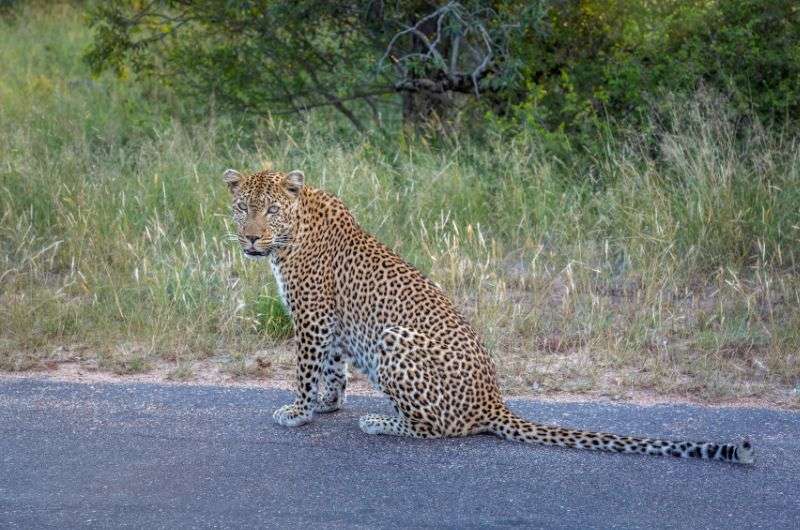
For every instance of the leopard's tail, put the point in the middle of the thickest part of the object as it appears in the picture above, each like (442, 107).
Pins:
(512, 427)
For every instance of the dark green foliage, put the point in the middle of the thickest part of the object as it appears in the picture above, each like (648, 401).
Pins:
(563, 67)
(567, 69)
(283, 57)
(751, 48)
(615, 60)
(255, 57)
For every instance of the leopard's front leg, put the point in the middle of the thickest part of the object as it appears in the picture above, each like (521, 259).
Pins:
(313, 342)
(334, 376)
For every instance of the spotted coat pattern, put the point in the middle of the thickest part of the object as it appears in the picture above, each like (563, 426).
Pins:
(354, 300)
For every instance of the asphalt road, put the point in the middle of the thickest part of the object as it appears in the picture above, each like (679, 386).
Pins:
(140, 455)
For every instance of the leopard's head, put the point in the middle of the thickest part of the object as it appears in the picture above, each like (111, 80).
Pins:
(265, 208)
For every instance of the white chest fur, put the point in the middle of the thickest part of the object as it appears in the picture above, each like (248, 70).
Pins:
(276, 272)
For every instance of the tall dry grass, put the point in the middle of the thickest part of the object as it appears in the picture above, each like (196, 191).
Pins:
(668, 262)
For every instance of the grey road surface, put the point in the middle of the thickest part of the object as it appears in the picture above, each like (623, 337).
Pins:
(155, 456)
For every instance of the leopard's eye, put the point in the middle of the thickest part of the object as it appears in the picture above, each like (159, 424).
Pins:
(273, 209)
(242, 206)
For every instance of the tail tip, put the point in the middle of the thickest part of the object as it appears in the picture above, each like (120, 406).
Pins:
(745, 453)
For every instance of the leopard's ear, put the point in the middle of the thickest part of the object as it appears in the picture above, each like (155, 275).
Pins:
(294, 181)
(232, 178)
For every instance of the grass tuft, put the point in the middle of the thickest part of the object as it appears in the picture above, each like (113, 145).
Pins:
(272, 318)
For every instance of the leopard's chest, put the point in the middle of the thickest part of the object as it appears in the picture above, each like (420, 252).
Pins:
(280, 282)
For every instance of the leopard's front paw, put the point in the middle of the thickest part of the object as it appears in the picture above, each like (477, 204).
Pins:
(291, 416)
(329, 403)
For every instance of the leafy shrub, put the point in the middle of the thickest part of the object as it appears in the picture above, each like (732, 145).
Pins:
(612, 60)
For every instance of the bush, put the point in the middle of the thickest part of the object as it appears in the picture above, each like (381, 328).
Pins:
(611, 60)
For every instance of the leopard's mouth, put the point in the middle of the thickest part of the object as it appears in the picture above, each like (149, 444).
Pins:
(254, 252)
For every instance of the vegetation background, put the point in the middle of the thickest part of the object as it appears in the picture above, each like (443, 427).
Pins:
(610, 189)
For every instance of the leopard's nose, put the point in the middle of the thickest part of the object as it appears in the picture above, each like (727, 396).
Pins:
(253, 239)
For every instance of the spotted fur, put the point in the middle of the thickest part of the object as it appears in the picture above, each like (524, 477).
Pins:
(354, 300)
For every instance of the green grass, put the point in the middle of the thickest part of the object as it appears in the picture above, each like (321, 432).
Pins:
(668, 262)
(271, 317)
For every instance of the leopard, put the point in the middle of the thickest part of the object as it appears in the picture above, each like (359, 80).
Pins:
(356, 303)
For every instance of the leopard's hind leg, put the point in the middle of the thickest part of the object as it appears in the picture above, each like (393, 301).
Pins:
(391, 425)
(404, 375)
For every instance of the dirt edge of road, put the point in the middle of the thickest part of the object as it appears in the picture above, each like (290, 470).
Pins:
(281, 378)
